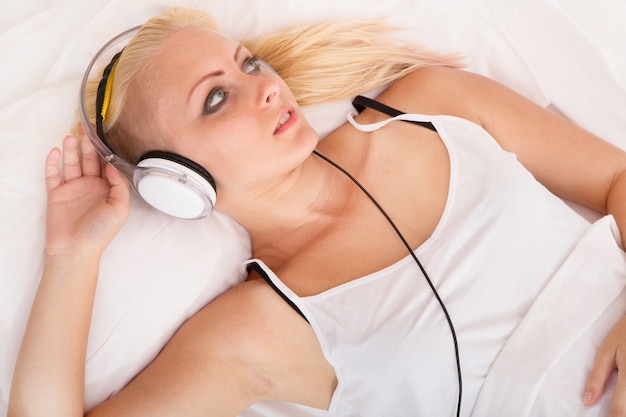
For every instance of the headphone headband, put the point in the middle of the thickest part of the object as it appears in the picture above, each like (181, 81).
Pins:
(169, 182)
(103, 95)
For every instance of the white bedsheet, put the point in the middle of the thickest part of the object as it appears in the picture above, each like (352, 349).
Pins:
(569, 55)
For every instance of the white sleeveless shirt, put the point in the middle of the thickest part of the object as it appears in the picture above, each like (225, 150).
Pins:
(522, 275)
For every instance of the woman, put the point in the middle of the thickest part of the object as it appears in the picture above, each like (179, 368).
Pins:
(362, 331)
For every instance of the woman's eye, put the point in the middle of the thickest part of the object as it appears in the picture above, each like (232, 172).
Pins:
(251, 65)
(214, 100)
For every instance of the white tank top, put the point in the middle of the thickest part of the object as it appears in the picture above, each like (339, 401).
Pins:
(501, 239)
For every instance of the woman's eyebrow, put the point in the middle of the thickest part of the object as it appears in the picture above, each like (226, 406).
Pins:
(236, 56)
(214, 73)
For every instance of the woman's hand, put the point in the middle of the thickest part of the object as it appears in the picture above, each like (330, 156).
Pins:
(87, 203)
(610, 357)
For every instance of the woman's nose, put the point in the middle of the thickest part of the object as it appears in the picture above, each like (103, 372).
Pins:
(268, 89)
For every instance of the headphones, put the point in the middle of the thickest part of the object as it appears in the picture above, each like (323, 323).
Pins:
(167, 181)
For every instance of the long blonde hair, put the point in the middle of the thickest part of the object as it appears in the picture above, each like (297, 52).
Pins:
(320, 63)
(338, 60)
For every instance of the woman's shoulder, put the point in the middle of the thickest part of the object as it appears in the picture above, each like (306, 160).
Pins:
(257, 328)
(249, 309)
(436, 90)
(237, 350)
(240, 320)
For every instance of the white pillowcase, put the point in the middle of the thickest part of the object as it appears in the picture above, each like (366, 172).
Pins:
(155, 274)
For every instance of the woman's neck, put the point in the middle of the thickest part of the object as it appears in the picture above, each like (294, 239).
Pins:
(289, 215)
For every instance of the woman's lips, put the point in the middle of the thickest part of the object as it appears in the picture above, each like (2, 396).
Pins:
(287, 119)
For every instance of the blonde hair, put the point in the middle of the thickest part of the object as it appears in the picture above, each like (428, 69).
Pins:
(320, 63)
(339, 60)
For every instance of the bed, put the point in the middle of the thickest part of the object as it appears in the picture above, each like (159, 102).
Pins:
(567, 55)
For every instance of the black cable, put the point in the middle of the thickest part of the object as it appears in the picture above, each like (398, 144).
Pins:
(419, 264)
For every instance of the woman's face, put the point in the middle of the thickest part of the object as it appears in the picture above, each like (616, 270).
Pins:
(218, 106)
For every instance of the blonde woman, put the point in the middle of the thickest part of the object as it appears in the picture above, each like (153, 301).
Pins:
(394, 274)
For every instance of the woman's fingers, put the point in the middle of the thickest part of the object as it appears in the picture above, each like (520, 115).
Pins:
(611, 357)
(119, 194)
(618, 403)
(90, 158)
(603, 367)
(71, 159)
(53, 177)
(79, 158)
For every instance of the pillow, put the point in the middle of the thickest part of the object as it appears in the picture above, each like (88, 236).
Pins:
(156, 273)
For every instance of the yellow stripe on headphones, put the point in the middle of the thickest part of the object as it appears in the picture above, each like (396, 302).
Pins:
(107, 90)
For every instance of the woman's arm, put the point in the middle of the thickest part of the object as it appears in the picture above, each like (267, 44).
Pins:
(85, 209)
(247, 345)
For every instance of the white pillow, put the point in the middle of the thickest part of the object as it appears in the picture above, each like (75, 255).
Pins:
(156, 273)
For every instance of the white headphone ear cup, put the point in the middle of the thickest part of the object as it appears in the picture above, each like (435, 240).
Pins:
(174, 188)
